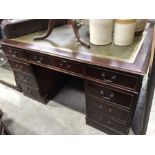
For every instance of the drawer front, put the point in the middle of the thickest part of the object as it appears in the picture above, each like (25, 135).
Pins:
(56, 62)
(113, 77)
(109, 123)
(15, 53)
(68, 65)
(110, 95)
(26, 78)
(30, 90)
(94, 105)
(38, 58)
(22, 67)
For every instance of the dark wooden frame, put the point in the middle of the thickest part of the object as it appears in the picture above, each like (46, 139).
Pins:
(143, 121)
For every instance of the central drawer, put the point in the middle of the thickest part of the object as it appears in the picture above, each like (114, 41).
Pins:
(58, 63)
(112, 96)
(67, 65)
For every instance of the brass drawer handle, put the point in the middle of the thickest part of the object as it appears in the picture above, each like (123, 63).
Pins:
(110, 110)
(101, 92)
(106, 98)
(29, 90)
(100, 118)
(19, 67)
(26, 78)
(35, 57)
(10, 50)
(13, 53)
(114, 77)
(69, 66)
(108, 122)
(111, 95)
(105, 80)
(103, 74)
(38, 59)
(101, 106)
(63, 62)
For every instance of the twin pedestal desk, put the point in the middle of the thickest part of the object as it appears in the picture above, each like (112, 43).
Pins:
(112, 75)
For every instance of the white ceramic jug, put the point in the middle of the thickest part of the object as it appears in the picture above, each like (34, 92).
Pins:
(101, 31)
(124, 31)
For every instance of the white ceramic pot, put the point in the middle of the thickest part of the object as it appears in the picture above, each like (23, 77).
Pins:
(101, 31)
(140, 24)
(124, 31)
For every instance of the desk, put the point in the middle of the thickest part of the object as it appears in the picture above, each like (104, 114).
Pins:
(112, 75)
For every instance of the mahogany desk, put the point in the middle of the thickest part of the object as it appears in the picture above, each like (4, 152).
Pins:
(112, 75)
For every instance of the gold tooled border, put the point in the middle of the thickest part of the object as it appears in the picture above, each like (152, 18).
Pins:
(131, 59)
(125, 21)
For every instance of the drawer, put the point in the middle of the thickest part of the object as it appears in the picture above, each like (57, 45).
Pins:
(114, 77)
(56, 62)
(38, 58)
(109, 123)
(30, 90)
(68, 65)
(15, 53)
(20, 66)
(110, 95)
(26, 78)
(94, 105)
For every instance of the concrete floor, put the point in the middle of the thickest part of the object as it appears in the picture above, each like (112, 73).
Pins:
(26, 116)
(7, 76)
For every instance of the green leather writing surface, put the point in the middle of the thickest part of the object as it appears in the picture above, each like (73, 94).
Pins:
(64, 38)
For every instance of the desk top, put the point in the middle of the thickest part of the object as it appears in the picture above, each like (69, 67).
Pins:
(62, 43)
